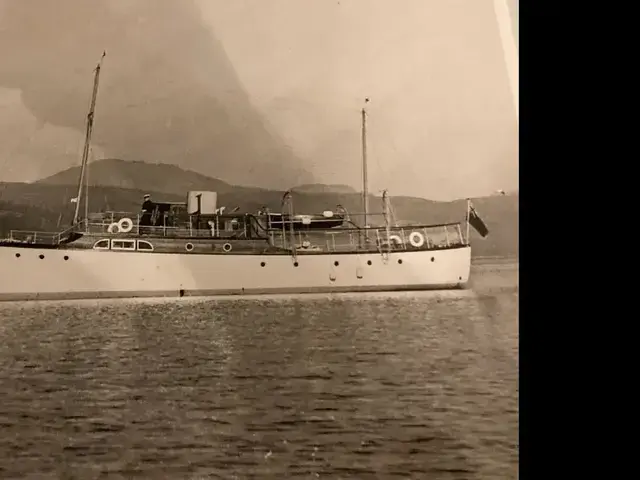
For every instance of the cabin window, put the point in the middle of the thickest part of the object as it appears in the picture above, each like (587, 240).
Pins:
(144, 245)
(123, 244)
(101, 245)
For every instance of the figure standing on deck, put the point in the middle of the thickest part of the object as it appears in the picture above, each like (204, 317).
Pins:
(147, 211)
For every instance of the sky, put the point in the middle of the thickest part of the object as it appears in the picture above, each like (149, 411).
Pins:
(265, 92)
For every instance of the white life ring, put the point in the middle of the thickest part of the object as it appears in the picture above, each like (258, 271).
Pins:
(416, 239)
(125, 225)
(113, 228)
(396, 239)
(188, 247)
(306, 244)
(227, 247)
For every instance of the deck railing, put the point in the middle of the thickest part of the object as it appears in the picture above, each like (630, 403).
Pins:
(32, 237)
(42, 237)
(339, 239)
(354, 239)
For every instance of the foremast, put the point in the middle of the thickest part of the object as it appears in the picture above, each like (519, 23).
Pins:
(87, 144)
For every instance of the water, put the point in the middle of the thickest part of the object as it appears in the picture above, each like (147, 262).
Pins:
(411, 385)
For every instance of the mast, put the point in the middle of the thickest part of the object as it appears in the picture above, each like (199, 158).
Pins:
(365, 182)
(386, 208)
(86, 188)
(87, 139)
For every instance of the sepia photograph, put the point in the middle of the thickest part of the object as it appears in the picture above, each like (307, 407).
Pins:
(247, 239)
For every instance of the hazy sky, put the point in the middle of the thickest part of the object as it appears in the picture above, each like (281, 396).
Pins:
(273, 86)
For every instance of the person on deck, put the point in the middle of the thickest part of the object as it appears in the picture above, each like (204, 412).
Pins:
(147, 211)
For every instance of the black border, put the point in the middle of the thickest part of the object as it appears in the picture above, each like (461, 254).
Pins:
(564, 159)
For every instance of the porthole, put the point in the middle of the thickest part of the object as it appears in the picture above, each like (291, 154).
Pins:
(433, 259)
(17, 255)
(295, 264)
(41, 257)
(336, 263)
(262, 264)
(66, 257)
(368, 262)
(400, 261)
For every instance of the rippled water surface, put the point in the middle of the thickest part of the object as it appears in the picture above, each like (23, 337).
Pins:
(411, 385)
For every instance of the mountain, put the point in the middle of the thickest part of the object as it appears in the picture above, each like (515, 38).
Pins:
(322, 188)
(119, 185)
(25, 217)
(160, 177)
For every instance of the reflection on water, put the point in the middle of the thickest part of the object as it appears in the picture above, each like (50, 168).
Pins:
(411, 385)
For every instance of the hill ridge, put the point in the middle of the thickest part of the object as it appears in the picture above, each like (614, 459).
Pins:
(69, 176)
(46, 205)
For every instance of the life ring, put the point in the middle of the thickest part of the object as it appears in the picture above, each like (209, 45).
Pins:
(188, 247)
(113, 228)
(416, 239)
(396, 239)
(227, 247)
(306, 244)
(125, 225)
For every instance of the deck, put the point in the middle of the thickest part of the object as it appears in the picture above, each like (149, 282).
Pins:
(346, 239)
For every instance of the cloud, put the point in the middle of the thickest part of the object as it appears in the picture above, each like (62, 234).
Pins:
(168, 91)
(32, 148)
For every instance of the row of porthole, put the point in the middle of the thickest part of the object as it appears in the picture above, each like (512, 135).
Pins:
(336, 263)
(262, 264)
(41, 257)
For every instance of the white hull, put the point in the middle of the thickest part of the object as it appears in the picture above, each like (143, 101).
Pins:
(97, 274)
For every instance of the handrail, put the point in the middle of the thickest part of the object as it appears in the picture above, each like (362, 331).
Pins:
(327, 240)
(260, 227)
(353, 227)
(341, 238)
(115, 215)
